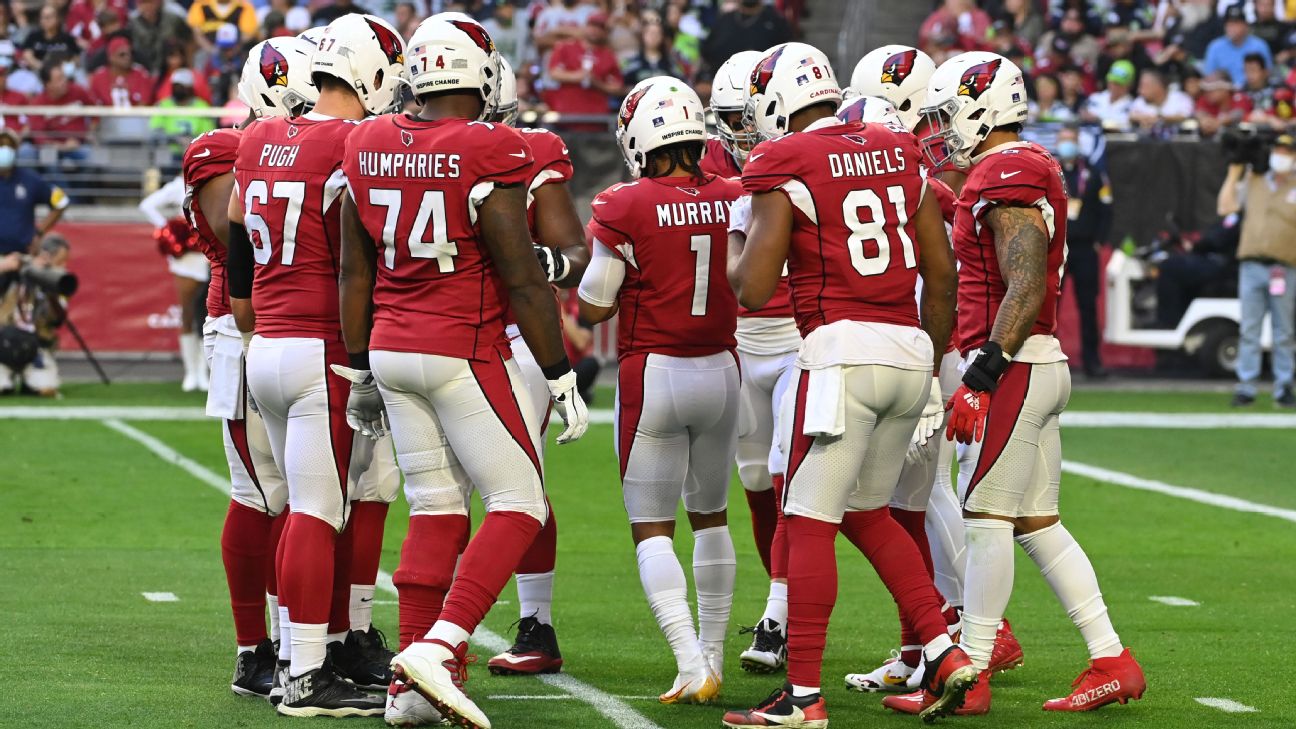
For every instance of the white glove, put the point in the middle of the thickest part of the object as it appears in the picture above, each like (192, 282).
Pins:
(571, 408)
(365, 411)
(928, 423)
(555, 264)
(740, 214)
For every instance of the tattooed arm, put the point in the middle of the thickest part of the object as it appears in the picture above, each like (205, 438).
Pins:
(1021, 246)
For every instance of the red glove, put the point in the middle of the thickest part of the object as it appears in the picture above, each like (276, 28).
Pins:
(967, 409)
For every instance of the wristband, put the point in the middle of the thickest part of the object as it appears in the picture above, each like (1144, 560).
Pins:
(557, 369)
(359, 360)
(561, 265)
(984, 372)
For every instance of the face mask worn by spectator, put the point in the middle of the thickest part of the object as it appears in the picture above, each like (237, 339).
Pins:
(1281, 163)
(1068, 150)
(8, 155)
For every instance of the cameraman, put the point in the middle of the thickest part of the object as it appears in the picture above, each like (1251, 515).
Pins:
(21, 190)
(30, 316)
(1266, 265)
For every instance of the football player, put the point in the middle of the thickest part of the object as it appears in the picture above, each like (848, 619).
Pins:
(284, 217)
(435, 247)
(727, 149)
(842, 205)
(1010, 239)
(659, 249)
(258, 494)
(560, 246)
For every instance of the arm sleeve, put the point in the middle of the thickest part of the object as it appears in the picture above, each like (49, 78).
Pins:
(239, 265)
(603, 277)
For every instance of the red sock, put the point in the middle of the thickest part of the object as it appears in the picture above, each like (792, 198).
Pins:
(915, 523)
(543, 552)
(367, 520)
(778, 564)
(272, 554)
(764, 518)
(339, 619)
(487, 564)
(812, 590)
(427, 565)
(895, 558)
(306, 574)
(244, 545)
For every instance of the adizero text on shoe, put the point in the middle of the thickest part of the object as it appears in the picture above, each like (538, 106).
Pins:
(534, 651)
(1105, 681)
(768, 651)
(281, 678)
(361, 662)
(322, 692)
(438, 673)
(407, 707)
(1007, 653)
(947, 679)
(891, 677)
(781, 709)
(254, 671)
(702, 687)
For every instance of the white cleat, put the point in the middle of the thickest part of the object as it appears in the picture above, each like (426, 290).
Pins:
(714, 655)
(407, 707)
(891, 677)
(438, 674)
(702, 687)
(189, 383)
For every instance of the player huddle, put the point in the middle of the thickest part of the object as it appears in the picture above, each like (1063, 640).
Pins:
(383, 299)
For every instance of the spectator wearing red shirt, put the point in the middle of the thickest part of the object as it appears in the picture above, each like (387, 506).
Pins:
(83, 19)
(64, 134)
(587, 73)
(11, 98)
(121, 83)
(1220, 104)
(959, 19)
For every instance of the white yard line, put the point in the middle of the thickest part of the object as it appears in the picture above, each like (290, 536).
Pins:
(1227, 705)
(1173, 601)
(611, 707)
(160, 596)
(1209, 498)
(122, 412)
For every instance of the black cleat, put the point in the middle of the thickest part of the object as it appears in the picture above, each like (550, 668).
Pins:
(254, 671)
(1286, 398)
(534, 651)
(363, 659)
(322, 692)
(768, 651)
(281, 678)
(1242, 400)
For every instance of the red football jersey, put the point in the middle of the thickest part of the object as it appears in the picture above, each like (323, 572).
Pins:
(209, 156)
(1016, 175)
(289, 178)
(552, 165)
(417, 185)
(854, 190)
(945, 196)
(717, 160)
(673, 235)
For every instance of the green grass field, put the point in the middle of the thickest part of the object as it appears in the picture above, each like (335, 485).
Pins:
(92, 519)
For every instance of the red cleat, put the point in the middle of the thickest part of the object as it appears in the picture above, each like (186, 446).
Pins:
(1007, 653)
(975, 703)
(780, 709)
(1106, 680)
(947, 679)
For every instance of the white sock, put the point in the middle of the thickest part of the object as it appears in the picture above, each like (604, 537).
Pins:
(245, 649)
(987, 587)
(272, 608)
(535, 596)
(715, 567)
(361, 607)
(190, 353)
(309, 643)
(448, 633)
(1068, 571)
(937, 646)
(944, 526)
(667, 591)
(337, 637)
(776, 605)
(799, 691)
(285, 635)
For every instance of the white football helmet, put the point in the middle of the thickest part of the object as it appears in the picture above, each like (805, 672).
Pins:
(658, 112)
(788, 78)
(313, 35)
(870, 110)
(507, 112)
(366, 53)
(967, 97)
(276, 78)
(898, 74)
(728, 94)
(449, 53)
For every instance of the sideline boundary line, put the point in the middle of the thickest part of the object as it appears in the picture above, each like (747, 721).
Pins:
(1210, 498)
(611, 707)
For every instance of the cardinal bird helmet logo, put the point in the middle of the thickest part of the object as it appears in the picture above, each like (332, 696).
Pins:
(477, 33)
(764, 71)
(976, 80)
(387, 41)
(274, 67)
(898, 67)
(630, 106)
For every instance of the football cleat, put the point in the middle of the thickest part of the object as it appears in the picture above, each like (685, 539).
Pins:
(893, 676)
(438, 672)
(702, 687)
(768, 651)
(407, 707)
(535, 650)
(363, 659)
(254, 671)
(1007, 653)
(781, 709)
(714, 655)
(322, 692)
(975, 703)
(1106, 680)
(281, 678)
(948, 679)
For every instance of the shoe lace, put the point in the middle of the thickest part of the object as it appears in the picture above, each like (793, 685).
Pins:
(528, 638)
(458, 666)
(770, 700)
(1084, 675)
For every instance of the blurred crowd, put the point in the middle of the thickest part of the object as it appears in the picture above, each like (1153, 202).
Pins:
(1156, 67)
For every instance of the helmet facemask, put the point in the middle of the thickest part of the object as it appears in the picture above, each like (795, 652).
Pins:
(945, 145)
(737, 142)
